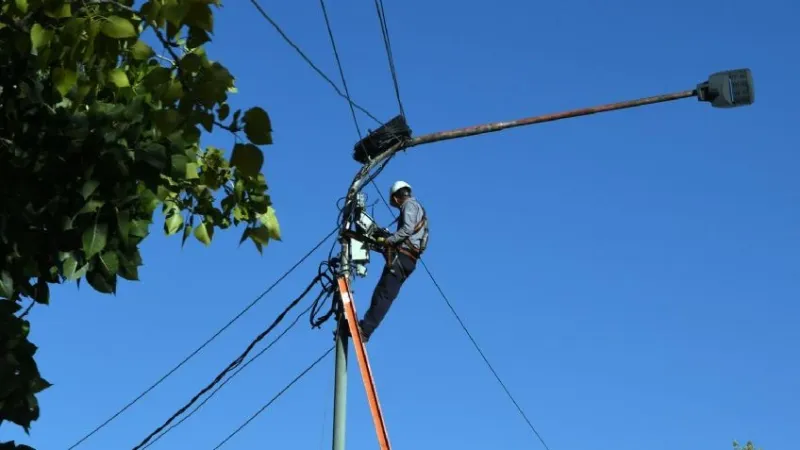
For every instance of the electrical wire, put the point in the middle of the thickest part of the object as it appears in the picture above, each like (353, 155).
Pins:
(208, 341)
(387, 43)
(339, 64)
(486, 360)
(231, 377)
(311, 63)
(236, 362)
(475, 343)
(273, 399)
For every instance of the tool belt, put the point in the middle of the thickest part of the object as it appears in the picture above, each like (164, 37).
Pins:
(390, 253)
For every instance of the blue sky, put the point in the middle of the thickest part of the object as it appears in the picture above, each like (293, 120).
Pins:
(633, 276)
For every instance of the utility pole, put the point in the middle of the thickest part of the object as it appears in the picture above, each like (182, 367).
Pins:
(340, 381)
(727, 89)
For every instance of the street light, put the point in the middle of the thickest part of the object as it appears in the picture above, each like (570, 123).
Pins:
(728, 89)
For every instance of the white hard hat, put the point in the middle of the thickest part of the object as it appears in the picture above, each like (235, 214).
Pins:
(397, 186)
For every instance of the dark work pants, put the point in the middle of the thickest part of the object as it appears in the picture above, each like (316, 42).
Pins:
(386, 291)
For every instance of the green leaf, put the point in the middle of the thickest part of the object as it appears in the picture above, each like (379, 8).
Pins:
(173, 92)
(154, 155)
(38, 384)
(157, 77)
(102, 282)
(201, 232)
(72, 31)
(179, 163)
(41, 293)
(223, 111)
(71, 271)
(109, 262)
(94, 239)
(64, 79)
(118, 28)
(22, 6)
(129, 267)
(257, 126)
(91, 206)
(166, 120)
(119, 78)
(206, 120)
(191, 62)
(124, 226)
(248, 158)
(187, 230)
(59, 11)
(260, 235)
(40, 36)
(6, 285)
(140, 50)
(88, 188)
(270, 221)
(200, 16)
(173, 222)
(191, 171)
(197, 37)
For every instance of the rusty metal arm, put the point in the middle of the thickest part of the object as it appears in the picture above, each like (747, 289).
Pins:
(498, 126)
(362, 175)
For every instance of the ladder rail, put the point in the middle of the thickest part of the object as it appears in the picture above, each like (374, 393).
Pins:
(363, 363)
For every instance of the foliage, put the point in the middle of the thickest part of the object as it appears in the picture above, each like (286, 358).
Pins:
(97, 132)
(748, 446)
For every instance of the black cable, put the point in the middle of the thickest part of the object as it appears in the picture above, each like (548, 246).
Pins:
(478, 348)
(236, 362)
(272, 400)
(232, 376)
(339, 64)
(208, 341)
(329, 285)
(310, 63)
(475, 343)
(387, 43)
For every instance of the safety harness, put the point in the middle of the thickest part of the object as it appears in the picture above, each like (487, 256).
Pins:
(414, 252)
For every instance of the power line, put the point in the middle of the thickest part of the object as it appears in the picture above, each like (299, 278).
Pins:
(486, 360)
(310, 63)
(339, 64)
(231, 377)
(208, 341)
(388, 44)
(474, 342)
(272, 400)
(236, 362)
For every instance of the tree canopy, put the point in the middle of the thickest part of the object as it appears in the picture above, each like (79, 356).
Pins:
(98, 131)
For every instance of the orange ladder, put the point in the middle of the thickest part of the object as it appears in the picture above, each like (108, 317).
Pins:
(363, 363)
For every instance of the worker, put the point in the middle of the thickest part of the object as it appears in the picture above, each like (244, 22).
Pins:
(401, 250)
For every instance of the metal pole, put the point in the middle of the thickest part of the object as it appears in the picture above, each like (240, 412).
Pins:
(340, 389)
(498, 126)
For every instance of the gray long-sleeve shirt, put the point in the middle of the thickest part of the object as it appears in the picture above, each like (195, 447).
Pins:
(410, 215)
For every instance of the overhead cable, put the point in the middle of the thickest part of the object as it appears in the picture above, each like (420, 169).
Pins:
(388, 45)
(236, 362)
(475, 343)
(272, 400)
(208, 341)
(232, 376)
(486, 360)
(310, 63)
(339, 64)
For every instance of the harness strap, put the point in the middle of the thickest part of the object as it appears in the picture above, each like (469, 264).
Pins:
(420, 225)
